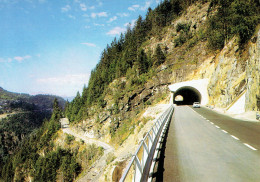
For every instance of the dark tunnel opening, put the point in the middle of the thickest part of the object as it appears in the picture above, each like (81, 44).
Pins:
(186, 96)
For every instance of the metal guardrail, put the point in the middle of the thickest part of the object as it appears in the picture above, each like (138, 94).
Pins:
(139, 167)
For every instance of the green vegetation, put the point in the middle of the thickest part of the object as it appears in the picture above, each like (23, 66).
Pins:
(185, 34)
(69, 139)
(126, 57)
(46, 167)
(15, 128)
(129, 56)
(24, 102)
(41, 159)
(26, 157)
(233, 17)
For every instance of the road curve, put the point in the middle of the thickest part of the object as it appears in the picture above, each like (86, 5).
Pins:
(104, 145)
(198, 150)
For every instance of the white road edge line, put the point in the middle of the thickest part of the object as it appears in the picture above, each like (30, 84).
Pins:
(217, 126)
(224, 131)
(211, 123)
(234, 137)
(249, 146)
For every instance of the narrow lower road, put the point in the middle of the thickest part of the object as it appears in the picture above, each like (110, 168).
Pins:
(97, 168)
(205, 147)
(87, 140)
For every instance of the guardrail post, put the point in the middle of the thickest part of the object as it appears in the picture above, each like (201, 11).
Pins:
(138, 173)
(153, 133)
(157, 126)
(145, 154)
(150, 141)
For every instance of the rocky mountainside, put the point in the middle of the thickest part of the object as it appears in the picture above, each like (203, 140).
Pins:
(231, 70)
(179, 40)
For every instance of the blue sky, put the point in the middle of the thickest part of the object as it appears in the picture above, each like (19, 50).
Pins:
(51, 46)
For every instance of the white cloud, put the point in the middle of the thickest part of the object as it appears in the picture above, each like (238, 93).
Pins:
(157, 1)
(123, 14)
(146, 6)
(132, 23)
(89, 44)
(134, 7)
(83, 7)
(101, 14)
(64, 85)
(16, 58)
(112, 19)
(20, 59)
(87, 27)
(66, 8)
(143, 8)
(116, 31)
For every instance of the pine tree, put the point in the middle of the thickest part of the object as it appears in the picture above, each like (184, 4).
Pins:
(57, 112)
(142, 62)
(159, 56)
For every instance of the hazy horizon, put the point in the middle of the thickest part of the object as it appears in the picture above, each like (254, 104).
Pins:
(50, 47)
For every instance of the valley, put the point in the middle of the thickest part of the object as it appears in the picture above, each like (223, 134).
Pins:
(214, 44)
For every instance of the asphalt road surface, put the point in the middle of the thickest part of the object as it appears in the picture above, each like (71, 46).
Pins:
(203, 146)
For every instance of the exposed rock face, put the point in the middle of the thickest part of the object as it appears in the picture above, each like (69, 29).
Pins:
(233, 74)
(228, 80)
(253, 75)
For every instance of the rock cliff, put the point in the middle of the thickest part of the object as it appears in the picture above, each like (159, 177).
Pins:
(253, 75)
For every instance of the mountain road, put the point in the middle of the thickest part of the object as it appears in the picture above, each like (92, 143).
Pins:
(205, 146)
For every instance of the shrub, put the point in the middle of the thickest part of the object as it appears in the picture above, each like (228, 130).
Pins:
(69, 139)
(183, 26)
(180, 40)
(148, 102)
(216, 40)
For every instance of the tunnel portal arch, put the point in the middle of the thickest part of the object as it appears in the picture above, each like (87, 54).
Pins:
(190, 91)
(189, 96)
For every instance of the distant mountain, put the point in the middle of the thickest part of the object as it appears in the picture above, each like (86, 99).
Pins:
(37, 102)
(20, 115)
(4, 94)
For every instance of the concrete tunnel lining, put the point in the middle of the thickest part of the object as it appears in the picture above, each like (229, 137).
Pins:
(200, 87)
(189, 94)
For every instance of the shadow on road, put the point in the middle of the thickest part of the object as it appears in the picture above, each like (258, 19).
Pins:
(157, 174)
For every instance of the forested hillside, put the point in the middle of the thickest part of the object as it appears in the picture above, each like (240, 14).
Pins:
(132, 74)
(20, 116)
(10, 101)
(38, 156)
(128, 56)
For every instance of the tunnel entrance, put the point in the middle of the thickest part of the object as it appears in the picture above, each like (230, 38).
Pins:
(189, 95)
